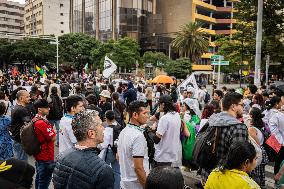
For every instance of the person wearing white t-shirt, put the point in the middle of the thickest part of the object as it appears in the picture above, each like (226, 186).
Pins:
(132, 148)
(74, 105)
(168, 150)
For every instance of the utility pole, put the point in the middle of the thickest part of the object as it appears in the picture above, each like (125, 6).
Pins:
(266, 70)
(258, 44)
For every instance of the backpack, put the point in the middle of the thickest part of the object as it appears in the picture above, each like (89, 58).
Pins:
(207, 98)
(150, 144)
(64, 87)
(204, 152)
(29, 139)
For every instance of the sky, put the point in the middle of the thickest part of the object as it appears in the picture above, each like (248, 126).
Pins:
(20, 1)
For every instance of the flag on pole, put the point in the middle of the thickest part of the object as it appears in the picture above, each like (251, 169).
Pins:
(109, 67)
(190, 80)
(86, 68)
(40, 71)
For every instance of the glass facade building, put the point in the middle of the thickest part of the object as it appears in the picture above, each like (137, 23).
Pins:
(111, 19)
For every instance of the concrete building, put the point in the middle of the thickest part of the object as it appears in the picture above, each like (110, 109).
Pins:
(47, 17)
(215, 15)
(11, 18)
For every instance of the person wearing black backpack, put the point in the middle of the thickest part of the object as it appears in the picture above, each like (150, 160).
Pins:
(222, 130)
(56, 110)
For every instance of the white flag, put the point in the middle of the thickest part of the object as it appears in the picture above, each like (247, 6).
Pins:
(191, 79)
(109, 67)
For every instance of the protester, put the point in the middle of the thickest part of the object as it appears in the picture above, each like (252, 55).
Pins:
(56, 110)
(149, 96)
(74, 105)
(230, 128)
(132, 148)
(233, 174)
(118, 107)
(19, 116)
(65, 88)
(93, 103)
(105, 103)
(165, 178)
(168, 150)
(92, 171)
(46, 137)
(140, 95)
(256, 129)
(129, 94)
(5, 99)
(207, 112)
(218, 95)
(109, 146)
(6, 147)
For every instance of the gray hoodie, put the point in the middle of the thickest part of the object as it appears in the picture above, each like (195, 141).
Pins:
(223, 119)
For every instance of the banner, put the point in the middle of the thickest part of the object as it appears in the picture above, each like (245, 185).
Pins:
(109, 67)
(189, 81)
(40, 71)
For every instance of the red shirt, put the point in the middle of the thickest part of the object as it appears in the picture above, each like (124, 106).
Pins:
(45, 133)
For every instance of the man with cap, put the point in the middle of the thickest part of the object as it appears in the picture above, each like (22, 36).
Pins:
(168, 150)
(46, 136)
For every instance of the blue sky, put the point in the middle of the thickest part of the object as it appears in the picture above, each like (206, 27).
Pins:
(20, 1)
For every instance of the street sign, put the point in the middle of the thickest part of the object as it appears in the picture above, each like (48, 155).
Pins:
(222, 63)
(217, 57)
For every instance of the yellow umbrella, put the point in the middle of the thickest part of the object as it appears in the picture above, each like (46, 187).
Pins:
(164, 79)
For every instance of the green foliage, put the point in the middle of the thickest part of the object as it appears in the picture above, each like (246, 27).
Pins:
(124, 52)
(158, 59)
(179, 68)
(191, 41)
(6, 50)
(77, 47)
(242, 44)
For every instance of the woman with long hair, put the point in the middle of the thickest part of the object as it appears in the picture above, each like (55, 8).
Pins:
(118, 108)
(256, 130)
(234, 174)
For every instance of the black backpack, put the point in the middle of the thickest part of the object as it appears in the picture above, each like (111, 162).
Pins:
(204, 152)
(207, 98)
(150, 144)
(29, 139)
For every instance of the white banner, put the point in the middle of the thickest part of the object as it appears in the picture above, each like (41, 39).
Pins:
(109, 67)
(191, 79)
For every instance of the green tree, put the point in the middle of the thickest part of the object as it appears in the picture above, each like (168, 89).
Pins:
(241, 46)
(179, 68)
(158, 59)
(191, 41)
(76, 48)
(33, 51)
(123, 52)
(6, 50)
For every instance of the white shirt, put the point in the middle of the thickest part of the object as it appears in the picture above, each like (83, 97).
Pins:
(66, 135)
(131, 143)
(276, 125)
(169, 148)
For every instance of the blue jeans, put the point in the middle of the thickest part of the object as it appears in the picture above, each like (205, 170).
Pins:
(19, 152)
(116, 171)
(55, 123)
(44, 171)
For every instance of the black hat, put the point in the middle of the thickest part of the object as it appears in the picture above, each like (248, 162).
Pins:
(165, 99)
(41, 103)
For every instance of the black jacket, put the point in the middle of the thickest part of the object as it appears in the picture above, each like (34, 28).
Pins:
(19, 115)
(79, 169)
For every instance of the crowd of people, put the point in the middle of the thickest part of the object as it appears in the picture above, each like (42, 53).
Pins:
(134, 136)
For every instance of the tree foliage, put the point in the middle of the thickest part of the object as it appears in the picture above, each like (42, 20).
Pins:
(241, 46)
(179, 68)
(77, 47)
(191, 41)
(158, 59)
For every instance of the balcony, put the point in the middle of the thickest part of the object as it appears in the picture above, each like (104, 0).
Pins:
(226, 21)
(206, 55)
(196, 67)
(226, 32)
(208, 31)
(204, 5)
(204, 18)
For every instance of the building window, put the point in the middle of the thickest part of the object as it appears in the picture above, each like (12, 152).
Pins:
(61, 14)
(61, 22)
(62, 31)
(61, 5)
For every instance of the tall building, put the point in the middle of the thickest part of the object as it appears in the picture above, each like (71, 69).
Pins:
(11, 18)
(215, 15)
(108, 19)
(47, 17)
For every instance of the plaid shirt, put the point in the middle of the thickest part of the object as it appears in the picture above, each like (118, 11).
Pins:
(227, 136)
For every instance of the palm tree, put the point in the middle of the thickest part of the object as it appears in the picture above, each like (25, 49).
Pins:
(191, 41)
